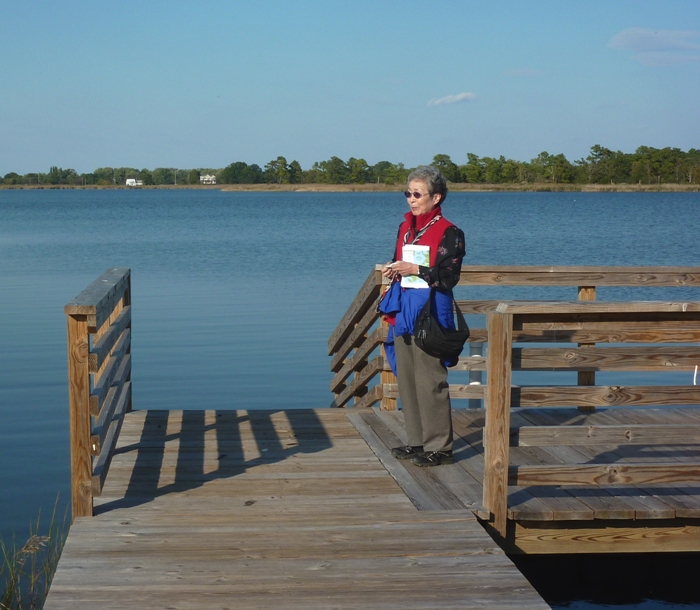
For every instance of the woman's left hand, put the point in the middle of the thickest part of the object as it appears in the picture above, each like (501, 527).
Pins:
(404, 268)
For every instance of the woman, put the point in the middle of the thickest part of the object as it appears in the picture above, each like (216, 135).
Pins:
(423, 378)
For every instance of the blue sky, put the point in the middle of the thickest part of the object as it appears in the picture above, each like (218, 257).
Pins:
(202, 84)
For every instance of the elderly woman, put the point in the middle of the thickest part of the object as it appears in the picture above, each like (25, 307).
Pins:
(423, 378)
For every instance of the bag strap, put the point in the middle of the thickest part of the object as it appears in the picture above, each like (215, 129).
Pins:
(461, 322)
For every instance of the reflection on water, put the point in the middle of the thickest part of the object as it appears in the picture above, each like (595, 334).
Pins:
(235, 294)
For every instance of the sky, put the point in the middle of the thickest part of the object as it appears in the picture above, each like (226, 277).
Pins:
(148, 84)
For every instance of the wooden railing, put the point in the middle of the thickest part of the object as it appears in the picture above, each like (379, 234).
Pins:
(99, 380)
(635, 324)
(362, 376)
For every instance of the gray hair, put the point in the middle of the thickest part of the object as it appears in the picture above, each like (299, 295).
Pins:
(433, 179)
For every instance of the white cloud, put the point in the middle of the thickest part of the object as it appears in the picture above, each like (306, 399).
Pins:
(452, 99)
(659, 47)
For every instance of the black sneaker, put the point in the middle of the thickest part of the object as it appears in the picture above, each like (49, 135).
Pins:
(433, 458)
(407, 452)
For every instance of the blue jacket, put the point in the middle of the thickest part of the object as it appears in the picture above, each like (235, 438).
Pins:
(407, 303)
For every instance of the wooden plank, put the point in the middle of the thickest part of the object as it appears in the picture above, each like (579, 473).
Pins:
(359, 382)
(467, 489)
(686, 503)
(596, 537)
(588, 359)
(458, 390)
(485, 275)
(79, 408)
(601, 474)
(358, 358)
(101, 349)
(440, 496)
(604, 503)
(371, 398)
(365, 299)
(607, 359)
(497, 426)
(586, 378)
(116, 295)
(112, 367)
(354, 339)
(103, 461)
(574, 396)
(114, 397)
(386, 377)
(598, 307)
(602, 331)
(112, 282)
(415, 492)
(544, 436)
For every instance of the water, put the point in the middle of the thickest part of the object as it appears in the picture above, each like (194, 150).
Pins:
(236, 294)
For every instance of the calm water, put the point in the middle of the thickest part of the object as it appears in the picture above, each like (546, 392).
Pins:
(235, 294)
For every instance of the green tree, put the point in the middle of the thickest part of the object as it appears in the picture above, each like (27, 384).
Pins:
(240, 172)
(296, 174)
(396, 174)
(552, 168)
(492, 169)
(377, 172)
(193, 176)
(358, 171)
(448, 168)
(147, 176)
(473, 170)
(163, 175)
(510, 171)
(277, 171)
(334, 171)
(12, 178)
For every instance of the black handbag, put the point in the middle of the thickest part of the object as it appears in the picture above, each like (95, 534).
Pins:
(433, 339)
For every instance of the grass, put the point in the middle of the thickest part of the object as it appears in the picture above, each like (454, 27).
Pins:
(27, 571)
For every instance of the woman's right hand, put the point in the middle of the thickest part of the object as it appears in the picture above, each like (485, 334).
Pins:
(388, 272)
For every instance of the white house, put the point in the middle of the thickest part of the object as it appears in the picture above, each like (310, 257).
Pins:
(134, 182)
(207, 179)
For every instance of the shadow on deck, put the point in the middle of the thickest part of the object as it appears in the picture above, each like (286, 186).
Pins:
(282, 509)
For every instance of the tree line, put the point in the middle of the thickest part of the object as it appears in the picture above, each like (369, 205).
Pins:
(646, 165)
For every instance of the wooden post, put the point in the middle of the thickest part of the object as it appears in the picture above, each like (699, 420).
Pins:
(80, 425)
(385, 377)
(497, 429)
(386, 404)
(586, 293)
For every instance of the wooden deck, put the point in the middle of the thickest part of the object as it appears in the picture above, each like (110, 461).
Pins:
(611, 517)
(284, 509)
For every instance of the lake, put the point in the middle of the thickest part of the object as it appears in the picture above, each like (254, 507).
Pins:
(236, 294)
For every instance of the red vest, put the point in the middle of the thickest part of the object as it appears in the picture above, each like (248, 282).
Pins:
(432, 237)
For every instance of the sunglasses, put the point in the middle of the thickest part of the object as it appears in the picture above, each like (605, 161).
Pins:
(414, 194)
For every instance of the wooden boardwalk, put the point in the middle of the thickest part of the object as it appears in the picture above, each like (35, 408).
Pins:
(279, 509)
(611, 517)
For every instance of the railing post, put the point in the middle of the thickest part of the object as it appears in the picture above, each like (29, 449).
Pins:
(497, 427)
(385, 377)
(586, 293)
(80, 424)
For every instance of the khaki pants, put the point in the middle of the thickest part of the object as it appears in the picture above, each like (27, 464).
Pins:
(425, 396)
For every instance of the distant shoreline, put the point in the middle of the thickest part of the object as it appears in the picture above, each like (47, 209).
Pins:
(381, 188)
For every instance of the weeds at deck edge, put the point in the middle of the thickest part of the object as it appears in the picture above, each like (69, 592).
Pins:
(27, 572)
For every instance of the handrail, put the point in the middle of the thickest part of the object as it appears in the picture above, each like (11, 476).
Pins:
(501, 395)
(361, 332)
(99, 380)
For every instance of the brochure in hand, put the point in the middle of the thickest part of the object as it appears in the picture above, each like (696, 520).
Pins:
(420, 255)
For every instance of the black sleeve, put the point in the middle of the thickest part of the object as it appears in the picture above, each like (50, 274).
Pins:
(448, 264)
